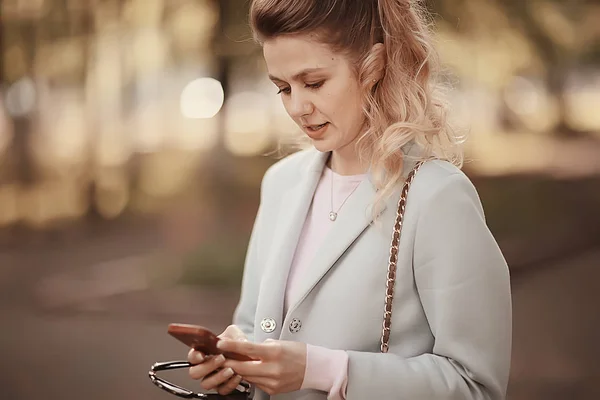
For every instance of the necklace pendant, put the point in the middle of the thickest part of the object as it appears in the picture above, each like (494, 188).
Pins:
(332, 216)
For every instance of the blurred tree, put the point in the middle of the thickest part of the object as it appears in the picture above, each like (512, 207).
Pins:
(564, 35)
(18, 37)
(36, 40)
(1, 47)
(557, 30)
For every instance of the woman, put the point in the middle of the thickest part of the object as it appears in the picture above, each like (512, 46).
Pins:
(359, 77)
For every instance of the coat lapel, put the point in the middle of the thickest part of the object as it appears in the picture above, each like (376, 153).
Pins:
(295, 205)
(355, 217)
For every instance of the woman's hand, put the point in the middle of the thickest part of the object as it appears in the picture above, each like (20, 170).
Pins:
(279, 365)
(211, 371)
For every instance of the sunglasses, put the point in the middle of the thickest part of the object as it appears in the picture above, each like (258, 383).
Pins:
(243, 390)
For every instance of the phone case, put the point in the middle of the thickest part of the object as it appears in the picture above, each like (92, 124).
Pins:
(201, 339)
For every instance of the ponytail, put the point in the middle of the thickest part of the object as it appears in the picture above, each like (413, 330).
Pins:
(407, 105)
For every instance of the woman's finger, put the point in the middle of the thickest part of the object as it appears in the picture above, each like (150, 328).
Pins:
(248, 368)
(261, 381)
(229, 386)
(252, 350)
(209, 365)
(234, 333)
(217, 379)
(195, 357)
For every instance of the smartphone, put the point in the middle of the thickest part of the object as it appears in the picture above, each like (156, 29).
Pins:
(201, 339)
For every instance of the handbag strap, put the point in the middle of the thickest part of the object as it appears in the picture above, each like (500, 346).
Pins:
(391, 273)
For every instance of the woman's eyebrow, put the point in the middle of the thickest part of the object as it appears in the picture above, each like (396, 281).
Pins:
(299, 76)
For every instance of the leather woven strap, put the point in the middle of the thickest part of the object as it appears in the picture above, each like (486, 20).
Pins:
(391, 273)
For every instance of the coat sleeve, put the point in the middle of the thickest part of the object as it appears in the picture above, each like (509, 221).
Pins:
(464, 286)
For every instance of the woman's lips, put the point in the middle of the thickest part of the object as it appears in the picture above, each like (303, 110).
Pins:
(316, 131)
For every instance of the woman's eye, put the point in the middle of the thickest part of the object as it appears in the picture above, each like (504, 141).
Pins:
(288, 90)
(315, 85)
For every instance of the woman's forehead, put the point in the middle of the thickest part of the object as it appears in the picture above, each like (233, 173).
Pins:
(293, 55)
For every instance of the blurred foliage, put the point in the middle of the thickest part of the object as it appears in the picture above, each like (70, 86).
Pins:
(107, 136)
(551, 38)
(217, 262)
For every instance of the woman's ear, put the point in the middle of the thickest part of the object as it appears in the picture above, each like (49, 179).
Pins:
(372, 68)
(378, 59)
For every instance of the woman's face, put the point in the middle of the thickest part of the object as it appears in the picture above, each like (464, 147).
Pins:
(319, 90)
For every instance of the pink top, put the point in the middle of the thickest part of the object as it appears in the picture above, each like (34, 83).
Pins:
(326, 369)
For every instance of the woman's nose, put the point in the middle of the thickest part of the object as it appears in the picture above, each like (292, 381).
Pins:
(300, 106)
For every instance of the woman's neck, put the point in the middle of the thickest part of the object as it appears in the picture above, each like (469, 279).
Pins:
(345, 162)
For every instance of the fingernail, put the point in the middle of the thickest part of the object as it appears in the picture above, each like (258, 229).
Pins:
(199, 358)
(228, 373)
(221, 358)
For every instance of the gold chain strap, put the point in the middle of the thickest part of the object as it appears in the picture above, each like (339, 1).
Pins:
(391, 273)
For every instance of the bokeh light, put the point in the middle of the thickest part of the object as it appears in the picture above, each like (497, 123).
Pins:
(21, 98)
(202, 98)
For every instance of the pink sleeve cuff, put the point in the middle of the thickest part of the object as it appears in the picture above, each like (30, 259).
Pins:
(326, 370)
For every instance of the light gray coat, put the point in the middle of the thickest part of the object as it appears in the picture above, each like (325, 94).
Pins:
(451, 326)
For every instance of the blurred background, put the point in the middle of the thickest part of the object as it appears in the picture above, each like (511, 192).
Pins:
(133, 136)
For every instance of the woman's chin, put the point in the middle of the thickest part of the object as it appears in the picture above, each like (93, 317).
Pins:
(322, 145)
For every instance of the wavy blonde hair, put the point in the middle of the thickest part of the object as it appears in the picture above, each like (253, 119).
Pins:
(406, 104)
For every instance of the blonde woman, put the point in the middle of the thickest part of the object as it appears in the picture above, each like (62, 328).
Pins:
(359, 77)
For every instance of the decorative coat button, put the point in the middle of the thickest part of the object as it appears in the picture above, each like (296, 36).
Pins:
(295, 325)
(268, 325)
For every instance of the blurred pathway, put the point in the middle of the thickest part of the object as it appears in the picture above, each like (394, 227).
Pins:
(102, 349)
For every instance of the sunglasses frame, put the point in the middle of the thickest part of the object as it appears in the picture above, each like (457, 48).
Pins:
(243, 391)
